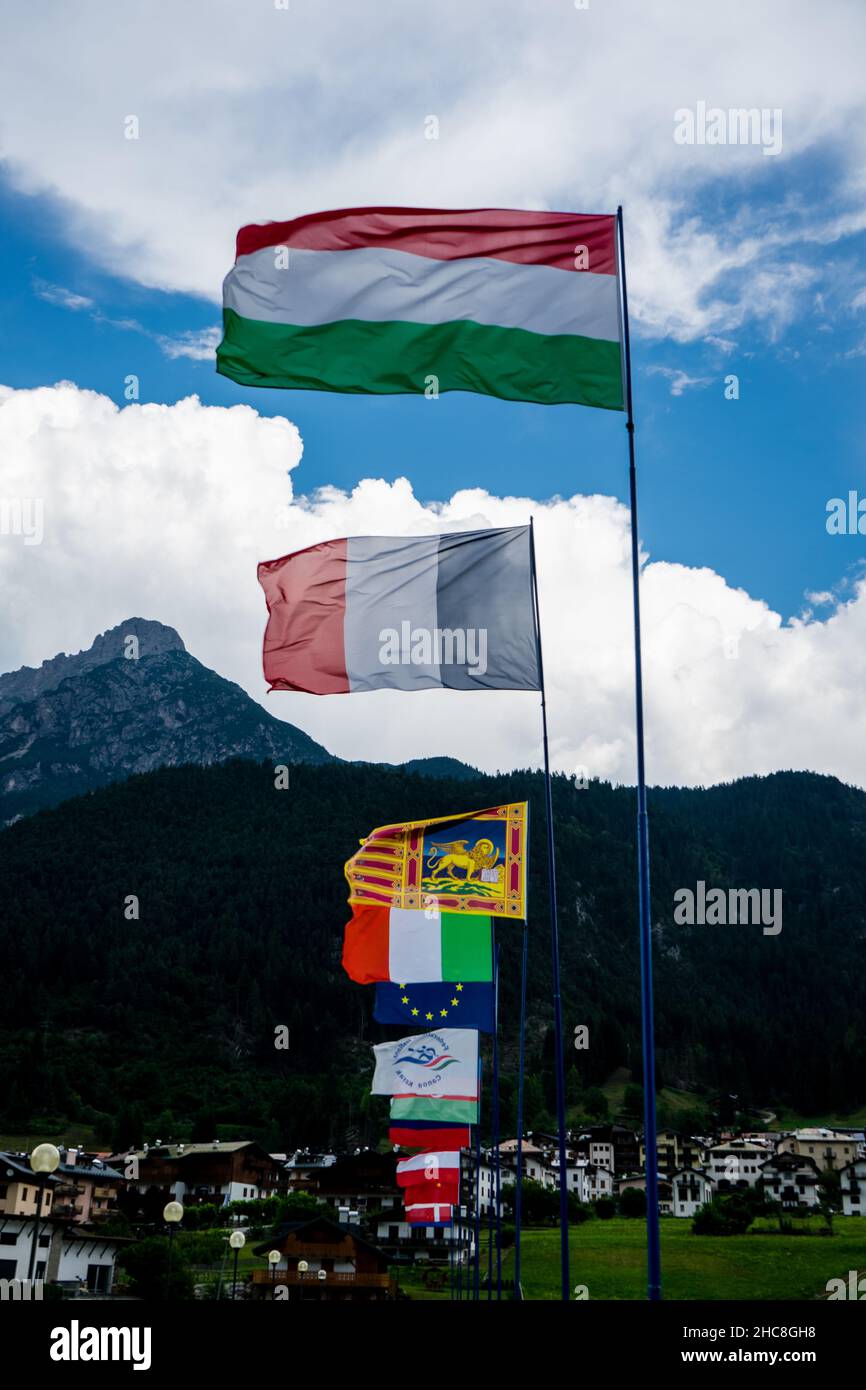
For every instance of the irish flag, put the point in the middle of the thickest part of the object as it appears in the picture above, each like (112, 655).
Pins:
(520, 305)
(417, 944)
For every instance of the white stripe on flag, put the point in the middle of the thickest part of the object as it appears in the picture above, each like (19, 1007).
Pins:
(414, 945)
(431, 1164)
(380, 285)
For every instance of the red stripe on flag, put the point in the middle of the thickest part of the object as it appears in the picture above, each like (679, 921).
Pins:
(365, 945)
(306, 597)
(443, 234)
(430, 1140)
(432, 1192)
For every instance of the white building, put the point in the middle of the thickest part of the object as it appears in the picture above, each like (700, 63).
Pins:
(853, 1188)
(791, 1180)
(736, 1165)
(690, 1189)
(65, 1254)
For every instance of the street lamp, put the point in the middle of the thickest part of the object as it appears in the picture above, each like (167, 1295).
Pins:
(44, 1159)
(237, 1241)
(273, 1261)
(172, 1214)
(302, 1269)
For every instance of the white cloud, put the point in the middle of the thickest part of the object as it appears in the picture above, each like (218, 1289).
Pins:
(200, 347)
(680, 381)
(164, 511)
(249, 112)
(61, 297)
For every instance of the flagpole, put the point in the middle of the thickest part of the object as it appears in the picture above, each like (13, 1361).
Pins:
(554, 937)
(518, 1193)
(497, 1137)
(494, 1121)
(477, 1279)
(654, 1279)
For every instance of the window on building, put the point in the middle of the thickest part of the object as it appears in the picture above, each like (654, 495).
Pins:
(8, 1269)
(8, 1239)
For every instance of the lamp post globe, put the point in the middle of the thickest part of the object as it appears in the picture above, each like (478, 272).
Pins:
(172, 1212)
(44, 1159)
(274, 1258)
(237, 1241)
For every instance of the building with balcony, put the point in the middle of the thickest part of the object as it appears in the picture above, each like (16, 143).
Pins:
(340, 1265)
(19, 1188)
(791, 1180)
(853, 1188)
(830, 1149)
(195, 1174)
(690, 1190)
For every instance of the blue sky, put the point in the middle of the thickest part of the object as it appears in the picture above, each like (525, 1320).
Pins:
(740, 262)
(738, 485)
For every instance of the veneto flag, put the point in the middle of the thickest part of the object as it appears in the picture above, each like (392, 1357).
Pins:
(380, 300)
(470, 863)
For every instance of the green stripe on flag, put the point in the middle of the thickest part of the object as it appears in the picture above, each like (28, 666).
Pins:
(396, 358)
(467, 947)
(462, 1112)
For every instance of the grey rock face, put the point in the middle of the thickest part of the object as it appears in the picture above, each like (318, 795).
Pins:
(78, 722)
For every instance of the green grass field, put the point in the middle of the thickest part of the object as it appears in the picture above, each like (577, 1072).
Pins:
(609, 1257)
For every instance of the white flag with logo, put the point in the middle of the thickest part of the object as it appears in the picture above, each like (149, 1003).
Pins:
(439, 1065)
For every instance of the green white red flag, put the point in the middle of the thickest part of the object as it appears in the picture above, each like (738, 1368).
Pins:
(380, 300)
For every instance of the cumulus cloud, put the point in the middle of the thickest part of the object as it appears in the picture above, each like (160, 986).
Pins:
(164, 511)
(246, 113)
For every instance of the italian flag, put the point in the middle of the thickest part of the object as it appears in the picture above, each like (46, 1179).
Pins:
(418, 945)
(520, 305)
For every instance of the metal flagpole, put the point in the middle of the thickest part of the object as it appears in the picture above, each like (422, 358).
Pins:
(554, 936)
(495, 1190)
(654, 1277)
(518, 1196)
(477, 1279)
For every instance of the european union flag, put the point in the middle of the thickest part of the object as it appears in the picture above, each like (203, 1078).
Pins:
(457, 1005)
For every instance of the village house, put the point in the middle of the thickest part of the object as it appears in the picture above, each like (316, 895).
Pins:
(65, 1254)
(87, 1189)
(675, 1152)
(194, 1174)
(638, 1180)
(596, 1182)
(736, 1165)
(324, 1261)
(853, 1188)
(610, 1146)
(690, 1190)
(791, 1180)
(830, 1149)
(19, 1187)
